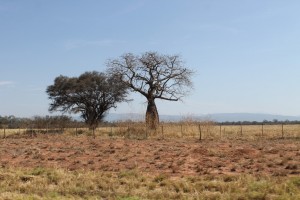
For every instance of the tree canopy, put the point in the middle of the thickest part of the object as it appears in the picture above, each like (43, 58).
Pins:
(91, 94)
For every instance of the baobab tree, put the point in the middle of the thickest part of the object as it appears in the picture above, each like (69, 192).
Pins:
(155, 76)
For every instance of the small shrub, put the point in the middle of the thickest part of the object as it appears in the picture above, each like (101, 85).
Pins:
(128, 198)
(38, 171)
(26, 178)
(159, 178)
(296, 181)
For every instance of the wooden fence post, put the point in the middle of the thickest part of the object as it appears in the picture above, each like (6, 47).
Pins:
(4, 136)
(282, 131)
(241, 130)
(146, 132)
(181, 130)
(200, 132)
(262, 130)
(220, 129)
(162, 131)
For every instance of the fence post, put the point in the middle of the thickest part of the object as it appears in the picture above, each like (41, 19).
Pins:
(262, 130)
(200, 132)
(241, 130)
(282, 131)
(220, 129)
(181, 130)
(4, 136)
(221, 133)
(162, 131)
(128, 131)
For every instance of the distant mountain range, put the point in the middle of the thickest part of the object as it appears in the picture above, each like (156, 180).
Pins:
(219, 117)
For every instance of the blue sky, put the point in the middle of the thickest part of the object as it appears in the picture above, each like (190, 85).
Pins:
(246, 52)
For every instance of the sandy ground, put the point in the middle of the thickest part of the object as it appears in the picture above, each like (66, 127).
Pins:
(179, 157)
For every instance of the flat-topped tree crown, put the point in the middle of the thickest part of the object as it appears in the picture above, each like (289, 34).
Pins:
(91, 94)
(155, 76)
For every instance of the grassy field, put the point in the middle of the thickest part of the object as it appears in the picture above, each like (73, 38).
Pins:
(233, 162)
(41, 183)
(183, 130)
(63, 166)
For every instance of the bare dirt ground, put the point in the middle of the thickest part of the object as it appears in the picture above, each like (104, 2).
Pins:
(176, 157)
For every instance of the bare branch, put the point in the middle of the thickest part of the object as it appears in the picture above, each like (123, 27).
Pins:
(153, 75)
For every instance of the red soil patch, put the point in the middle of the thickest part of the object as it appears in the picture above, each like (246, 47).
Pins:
(174, 157)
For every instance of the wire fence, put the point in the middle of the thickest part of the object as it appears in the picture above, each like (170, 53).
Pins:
(140, 131)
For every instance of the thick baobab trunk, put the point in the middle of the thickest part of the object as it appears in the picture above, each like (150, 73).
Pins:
(152, 119)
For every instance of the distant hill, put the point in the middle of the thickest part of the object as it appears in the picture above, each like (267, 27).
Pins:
(218, 117)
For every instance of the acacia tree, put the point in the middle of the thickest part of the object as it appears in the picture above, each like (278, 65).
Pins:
(155, 76)
(91, 94)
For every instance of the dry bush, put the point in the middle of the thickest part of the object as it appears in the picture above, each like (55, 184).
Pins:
(188, 127)
(130, 130)
(208, 128)
(191, 126)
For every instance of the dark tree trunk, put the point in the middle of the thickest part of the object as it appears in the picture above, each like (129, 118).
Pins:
(93, 124)
(152, 119)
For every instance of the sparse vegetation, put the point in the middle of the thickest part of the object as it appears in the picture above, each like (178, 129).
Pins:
(42, 183)
(65, 166)
(183, 129)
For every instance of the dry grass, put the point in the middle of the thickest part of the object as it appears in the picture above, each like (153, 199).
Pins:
(184, 129)
(69, 167)
(278, 157)
(41, 183)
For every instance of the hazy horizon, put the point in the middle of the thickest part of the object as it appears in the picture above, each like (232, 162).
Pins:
(217, 117)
